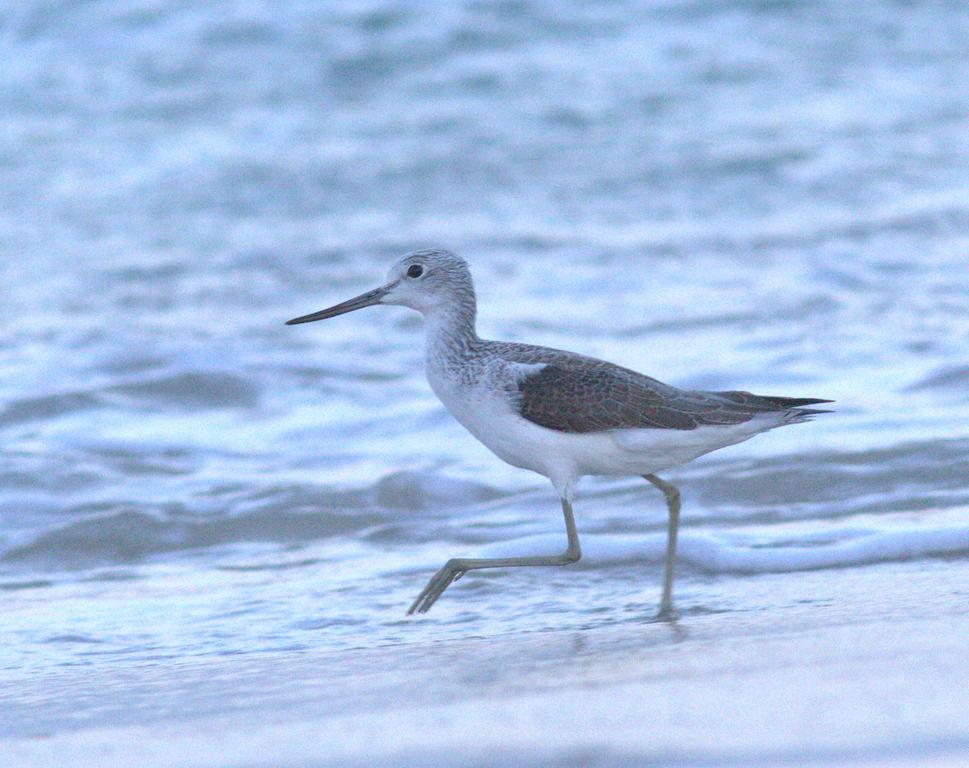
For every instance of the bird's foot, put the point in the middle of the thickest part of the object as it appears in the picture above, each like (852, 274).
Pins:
(666, 614)
(450, 572)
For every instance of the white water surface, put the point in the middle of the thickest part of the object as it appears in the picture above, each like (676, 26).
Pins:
(723, 195)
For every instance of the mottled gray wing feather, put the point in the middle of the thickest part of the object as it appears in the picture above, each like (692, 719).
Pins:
(573, 393)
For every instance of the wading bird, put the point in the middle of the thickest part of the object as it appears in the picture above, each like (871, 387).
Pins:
(559, 413)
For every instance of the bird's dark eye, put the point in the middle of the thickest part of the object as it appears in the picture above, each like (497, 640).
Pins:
(415, 270)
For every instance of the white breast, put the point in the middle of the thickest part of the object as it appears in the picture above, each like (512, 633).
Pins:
(481, 404)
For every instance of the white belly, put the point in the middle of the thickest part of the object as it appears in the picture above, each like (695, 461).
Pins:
(564, 457)
(492, 420)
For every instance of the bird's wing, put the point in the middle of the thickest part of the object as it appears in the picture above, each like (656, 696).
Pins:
(593, 396)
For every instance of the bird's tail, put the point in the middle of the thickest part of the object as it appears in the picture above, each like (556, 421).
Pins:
(798, 403)
(796, 413)
(772, 402)
(793, 407)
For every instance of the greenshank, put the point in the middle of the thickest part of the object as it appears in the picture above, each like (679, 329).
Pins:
(557, 413)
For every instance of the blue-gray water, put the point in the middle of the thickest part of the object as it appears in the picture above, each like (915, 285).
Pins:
(749, 195)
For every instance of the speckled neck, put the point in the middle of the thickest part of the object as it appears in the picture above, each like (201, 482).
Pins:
(452, 325)
(451, 337)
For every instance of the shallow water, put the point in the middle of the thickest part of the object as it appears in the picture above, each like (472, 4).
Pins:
(726, 195)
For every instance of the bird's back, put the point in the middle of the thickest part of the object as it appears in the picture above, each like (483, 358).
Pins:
(569, 392)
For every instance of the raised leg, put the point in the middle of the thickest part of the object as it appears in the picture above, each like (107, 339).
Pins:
(673, 504)
(455, 569)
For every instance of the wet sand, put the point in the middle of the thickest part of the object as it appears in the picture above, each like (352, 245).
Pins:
(866, 666)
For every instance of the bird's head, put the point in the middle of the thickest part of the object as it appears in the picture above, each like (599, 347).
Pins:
(427, 281)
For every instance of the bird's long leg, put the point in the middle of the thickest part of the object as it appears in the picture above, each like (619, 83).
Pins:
(454, 569)
(672, 495)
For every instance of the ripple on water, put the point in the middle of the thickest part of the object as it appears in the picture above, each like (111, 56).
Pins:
(45, 407)
(627, 180)
(276, 513)
(951, 380)
(192, 390)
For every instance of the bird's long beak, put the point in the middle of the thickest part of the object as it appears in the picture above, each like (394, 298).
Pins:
(358, 302)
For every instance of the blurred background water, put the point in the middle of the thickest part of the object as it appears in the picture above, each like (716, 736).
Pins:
(720, 193)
